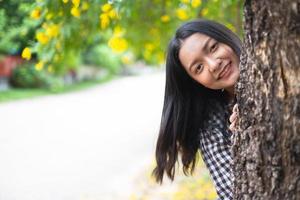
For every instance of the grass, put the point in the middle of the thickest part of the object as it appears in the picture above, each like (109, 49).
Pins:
(21, 93)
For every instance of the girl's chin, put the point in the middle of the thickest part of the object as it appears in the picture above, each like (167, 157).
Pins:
(233, 78)
(229, 83)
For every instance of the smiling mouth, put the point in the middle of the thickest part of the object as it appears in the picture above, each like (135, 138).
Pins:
(224, 71)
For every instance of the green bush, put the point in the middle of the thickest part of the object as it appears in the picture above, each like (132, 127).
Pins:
(70, 60)
(102, 56)
(16, 28)
(27, 76)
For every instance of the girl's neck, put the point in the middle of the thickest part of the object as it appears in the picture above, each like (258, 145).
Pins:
(230, 92)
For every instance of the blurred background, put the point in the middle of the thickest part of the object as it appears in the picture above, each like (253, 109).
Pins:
(81, 94)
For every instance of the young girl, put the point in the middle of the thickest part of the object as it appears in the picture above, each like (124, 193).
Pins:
(202, 68)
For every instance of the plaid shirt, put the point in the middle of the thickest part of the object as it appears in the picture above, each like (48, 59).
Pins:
(215, 147)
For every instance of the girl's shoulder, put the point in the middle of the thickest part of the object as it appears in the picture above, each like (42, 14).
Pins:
(216, 114)
(217, 119)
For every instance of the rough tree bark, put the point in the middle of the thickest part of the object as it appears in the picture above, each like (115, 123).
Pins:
(266, 147)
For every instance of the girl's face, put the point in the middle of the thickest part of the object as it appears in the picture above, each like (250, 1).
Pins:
(211, 63)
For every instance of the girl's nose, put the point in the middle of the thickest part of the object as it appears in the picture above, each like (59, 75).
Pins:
(214, 64)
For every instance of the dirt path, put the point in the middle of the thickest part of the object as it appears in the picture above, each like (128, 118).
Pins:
(84, 145)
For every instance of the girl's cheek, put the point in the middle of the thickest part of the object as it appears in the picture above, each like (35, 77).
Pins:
(207, 81)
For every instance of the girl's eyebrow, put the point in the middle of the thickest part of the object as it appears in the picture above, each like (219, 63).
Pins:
(204, 48)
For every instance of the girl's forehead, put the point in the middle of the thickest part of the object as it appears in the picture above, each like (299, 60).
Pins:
(194, 44)
(195, 39)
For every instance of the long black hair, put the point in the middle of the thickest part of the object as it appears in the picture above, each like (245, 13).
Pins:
(186, 102)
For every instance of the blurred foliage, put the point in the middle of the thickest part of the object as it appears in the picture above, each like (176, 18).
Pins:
(60, 32)
(102, 55)
(16, 29)
(200, 188)
(27, 76)
(151, 23)
(26, 93)
(196, 187)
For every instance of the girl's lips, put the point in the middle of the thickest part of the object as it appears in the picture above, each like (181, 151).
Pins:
(226, 71)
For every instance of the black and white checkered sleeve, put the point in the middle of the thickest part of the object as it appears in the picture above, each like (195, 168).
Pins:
(215, 151)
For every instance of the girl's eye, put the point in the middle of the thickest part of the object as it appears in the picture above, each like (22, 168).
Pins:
(199, 68)
(214, 47)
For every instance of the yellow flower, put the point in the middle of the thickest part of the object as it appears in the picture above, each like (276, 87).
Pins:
(75, 12)
(26, 53)
(196, 3)
(212, 194)
(104, 23)
(65, 1)
(104, 20)
(76, 3)
(165, 18)
(36, 13)
(106, 7)
(204, 11)
(181, 14)
(112, 14)
(45, 25)
(149, 46)
(185, 1)
(39, 66)
(118, 44)
(52, 30)
(200, 194)
(126, 59)
(42, 38)
(118, 31)
(85, 6)
(132, 197)
(50, 68)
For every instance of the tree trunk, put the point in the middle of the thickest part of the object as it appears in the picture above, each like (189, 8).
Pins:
(266, 147)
